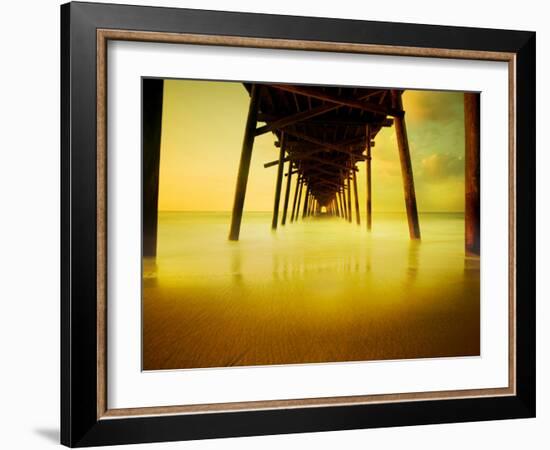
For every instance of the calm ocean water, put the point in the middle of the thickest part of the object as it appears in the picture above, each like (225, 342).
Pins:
(319, 290)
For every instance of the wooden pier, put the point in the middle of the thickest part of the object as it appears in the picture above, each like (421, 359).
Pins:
(324, 136)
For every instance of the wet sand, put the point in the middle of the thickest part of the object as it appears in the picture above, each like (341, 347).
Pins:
(316, 291)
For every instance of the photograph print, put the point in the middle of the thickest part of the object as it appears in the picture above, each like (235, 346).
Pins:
(299, 224)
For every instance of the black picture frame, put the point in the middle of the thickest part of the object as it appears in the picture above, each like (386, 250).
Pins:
(80, 425)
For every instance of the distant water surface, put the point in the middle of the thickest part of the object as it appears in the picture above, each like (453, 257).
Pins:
(319, 290)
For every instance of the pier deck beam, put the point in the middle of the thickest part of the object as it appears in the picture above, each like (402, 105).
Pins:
(472, 174)
(244, 165)
(406, 168)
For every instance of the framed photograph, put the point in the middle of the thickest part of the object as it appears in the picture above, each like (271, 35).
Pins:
(276, 224)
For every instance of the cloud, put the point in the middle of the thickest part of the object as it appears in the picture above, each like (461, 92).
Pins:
(433, 106)
(439, 166)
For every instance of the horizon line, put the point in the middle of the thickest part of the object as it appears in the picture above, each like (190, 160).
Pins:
(374, 212)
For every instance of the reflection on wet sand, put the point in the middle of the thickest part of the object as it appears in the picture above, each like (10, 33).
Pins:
(318, 292)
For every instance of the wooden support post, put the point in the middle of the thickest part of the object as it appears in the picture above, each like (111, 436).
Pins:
(306, 201)
(369, 181)
(244, 165)
(153, 91)
(279, 183)
(406, 168)
(287, 193)
(345, 197)
(299, 199)
(343, 202)
(357, 214)
(348, 178)
(336, 206)
(472, 174)
(296, 189)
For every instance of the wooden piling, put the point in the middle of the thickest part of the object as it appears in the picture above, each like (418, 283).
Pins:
(279, 183)
(153, 91)
(287, 193)
(343, 201)
(369, 181)
(472, 213)
(357, 214)
(299, 199)
(306, 201)
(406, 168)
(296, 189)
(244, 165)
(348, 178)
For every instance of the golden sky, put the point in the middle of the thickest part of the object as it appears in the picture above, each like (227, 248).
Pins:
(202, 131)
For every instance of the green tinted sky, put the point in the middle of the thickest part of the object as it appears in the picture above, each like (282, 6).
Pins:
(203, 126)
